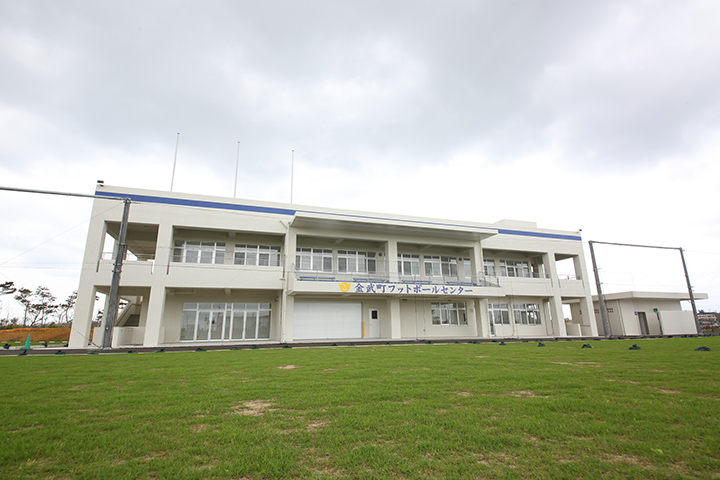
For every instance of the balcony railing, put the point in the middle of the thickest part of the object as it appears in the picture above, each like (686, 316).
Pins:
(569, 277)
(129, 256)
(480, 280)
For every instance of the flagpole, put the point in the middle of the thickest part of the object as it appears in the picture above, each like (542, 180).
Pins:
(172, 180)
(237, 162)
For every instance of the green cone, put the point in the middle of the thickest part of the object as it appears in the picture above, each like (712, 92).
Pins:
(27, 343)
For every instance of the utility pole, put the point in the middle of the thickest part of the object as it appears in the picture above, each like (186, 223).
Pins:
(690, 291)
(601, 298)
(109, 318)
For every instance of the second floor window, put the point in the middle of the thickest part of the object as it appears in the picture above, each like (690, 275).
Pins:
(489, 268)
(313, 259)
(440, 266)
(408, 264)
(351, 261)
(199, 252)
(261, 255)
(515, 268)
(467, 268)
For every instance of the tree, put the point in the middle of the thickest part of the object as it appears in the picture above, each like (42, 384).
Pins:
(67, 306)
(44, 304)
(7, 288)
(39, 305)
(24, 297)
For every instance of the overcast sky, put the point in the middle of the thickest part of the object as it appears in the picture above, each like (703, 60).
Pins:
(602, 116)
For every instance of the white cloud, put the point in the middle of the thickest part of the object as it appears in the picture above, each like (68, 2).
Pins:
(601, 116)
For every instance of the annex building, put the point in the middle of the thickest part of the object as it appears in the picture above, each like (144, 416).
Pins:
(210, 270)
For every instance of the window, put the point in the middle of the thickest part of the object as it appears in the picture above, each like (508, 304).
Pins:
(437, 266)
(489, 268)
(199, 252)
(350, 261)
(261, 255)
(448, 314)
(514, 268)
(225, 321)
(408, 264)
(313, 260)
(467, 266)
(526, 313)
(499, 313)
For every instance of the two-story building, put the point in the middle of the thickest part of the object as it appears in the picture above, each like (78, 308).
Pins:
(209, 270)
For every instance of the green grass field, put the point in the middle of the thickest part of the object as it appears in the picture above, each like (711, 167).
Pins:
(421, 411)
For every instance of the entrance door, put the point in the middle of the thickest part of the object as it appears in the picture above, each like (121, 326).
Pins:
(642, 318)
(372, 327)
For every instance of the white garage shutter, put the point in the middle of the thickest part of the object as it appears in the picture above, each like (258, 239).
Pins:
(327, 320)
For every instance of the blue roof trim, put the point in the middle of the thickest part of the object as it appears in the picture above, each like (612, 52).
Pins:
(286, 211)
(199, 203)
(555, 236)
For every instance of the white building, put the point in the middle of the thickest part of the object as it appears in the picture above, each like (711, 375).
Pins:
(209, 270)
(647, 313)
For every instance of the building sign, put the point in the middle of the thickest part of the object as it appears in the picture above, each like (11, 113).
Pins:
(404, 288)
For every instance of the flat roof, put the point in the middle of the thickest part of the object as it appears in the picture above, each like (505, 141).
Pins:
(309, 216)
(651, 296)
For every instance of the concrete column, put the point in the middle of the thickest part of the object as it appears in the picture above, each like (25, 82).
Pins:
(557, 313)
(550, 268)
(588, 316)
(85, 304)
(82, 320)
(473, 316)
(156, 309)
(288, 301)
(483, 317)
(391, 254)
(163, 248)
(395, 323)
(476, 261)
(286, 318)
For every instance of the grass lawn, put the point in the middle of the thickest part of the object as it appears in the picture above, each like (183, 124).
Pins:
(421, 411)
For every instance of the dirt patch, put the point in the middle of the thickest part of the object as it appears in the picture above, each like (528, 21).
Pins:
(663, 390)
(527, 394)
(464, 394)
(577, 364)
(36, 334)
(628, 459)
(287, 367)
(254, 408)
(315, 426)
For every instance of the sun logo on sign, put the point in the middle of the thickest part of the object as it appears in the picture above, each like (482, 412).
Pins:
(344, 286)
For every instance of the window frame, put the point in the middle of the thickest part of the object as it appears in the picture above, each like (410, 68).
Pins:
(448, 314)
(527, 314)
(361, 261)
(311, 259)
(227, 314)
(242, 252)
(408, 259)
(499, 313)
(195, 251)
(515, 268)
